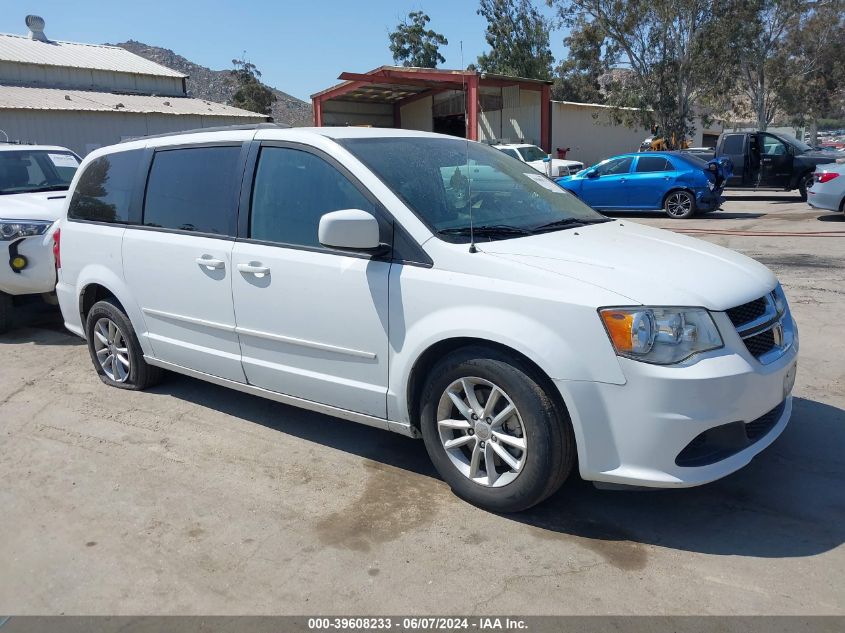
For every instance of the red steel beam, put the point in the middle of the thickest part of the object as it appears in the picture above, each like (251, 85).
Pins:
(382, 79)
(317, 106)
(472, 107)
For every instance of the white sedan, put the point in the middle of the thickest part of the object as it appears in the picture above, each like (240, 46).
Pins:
(828, 190)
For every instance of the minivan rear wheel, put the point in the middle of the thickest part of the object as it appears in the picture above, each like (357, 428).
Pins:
(493, 433)
(115, 350)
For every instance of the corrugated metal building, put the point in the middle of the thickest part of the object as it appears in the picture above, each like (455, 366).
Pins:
(84, 96)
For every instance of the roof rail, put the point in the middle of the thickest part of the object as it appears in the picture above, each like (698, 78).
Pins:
(220, 128)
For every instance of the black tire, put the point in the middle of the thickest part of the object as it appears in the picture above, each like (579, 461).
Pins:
(679, 205)
(6, 308)
(140, 375)
(804, 183)
(550, 453)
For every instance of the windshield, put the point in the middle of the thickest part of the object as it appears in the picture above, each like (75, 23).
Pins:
(27, 171)
(532, 152)
(794, 141)
(432, 177)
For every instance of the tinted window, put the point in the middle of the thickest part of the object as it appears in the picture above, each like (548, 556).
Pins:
(27, 171)
(293, 190)
(615, 166)
(104, 190)
(193, 190)
(653, 163)
(733, 144)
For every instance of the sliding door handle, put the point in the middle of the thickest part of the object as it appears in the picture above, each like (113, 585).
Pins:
(210, 262)
(254, 269)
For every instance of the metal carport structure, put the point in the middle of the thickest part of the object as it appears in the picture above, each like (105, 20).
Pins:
(490, 107)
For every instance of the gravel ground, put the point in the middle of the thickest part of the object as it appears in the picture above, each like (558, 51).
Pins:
(192, 499)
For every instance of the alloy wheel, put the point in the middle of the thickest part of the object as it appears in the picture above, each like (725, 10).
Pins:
(482, 432)
(111, 350)
(678, 204)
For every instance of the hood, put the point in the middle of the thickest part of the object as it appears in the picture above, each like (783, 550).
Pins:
(43, 205)
(556, 162)
(649, 266)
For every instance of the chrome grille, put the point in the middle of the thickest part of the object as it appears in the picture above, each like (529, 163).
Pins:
(766, 331)
(747, 312)
(761, 343)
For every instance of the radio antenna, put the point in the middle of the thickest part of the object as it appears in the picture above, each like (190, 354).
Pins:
(472, 248)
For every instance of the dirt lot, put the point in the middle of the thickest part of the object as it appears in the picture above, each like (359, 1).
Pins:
(195, 499)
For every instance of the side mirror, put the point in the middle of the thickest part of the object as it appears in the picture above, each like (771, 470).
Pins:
(592, 173)
(351, 230)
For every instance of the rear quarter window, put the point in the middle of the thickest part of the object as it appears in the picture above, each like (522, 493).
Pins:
(104, 190)
(194, 189)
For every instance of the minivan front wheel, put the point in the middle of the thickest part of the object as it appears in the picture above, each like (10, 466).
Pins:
(115, 351)
(493, 433)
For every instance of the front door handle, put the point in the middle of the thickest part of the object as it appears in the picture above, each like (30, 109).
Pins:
(254, 269)
(210, 262)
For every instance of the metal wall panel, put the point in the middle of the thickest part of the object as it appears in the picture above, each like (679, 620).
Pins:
(84, 131)
(87, 79)
(417, 115)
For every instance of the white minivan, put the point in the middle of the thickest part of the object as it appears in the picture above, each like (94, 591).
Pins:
(434, 287)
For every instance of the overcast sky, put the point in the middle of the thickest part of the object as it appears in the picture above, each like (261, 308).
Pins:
(300, 46)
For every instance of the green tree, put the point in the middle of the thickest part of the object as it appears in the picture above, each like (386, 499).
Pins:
(668, 56)
(250, 94)
(815, 52)
(765, 66)
(579, 76)
(412, 44)
(518, 36)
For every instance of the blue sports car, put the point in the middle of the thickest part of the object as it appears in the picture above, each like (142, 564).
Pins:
(677, 182)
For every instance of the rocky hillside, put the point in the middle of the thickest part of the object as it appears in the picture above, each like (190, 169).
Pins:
(213, 85)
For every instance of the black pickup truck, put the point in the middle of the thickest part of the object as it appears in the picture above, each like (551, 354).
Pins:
(767, 160)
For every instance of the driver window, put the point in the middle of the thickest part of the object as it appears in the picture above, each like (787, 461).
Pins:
(615, 167)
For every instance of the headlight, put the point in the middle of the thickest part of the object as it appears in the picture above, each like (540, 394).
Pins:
(779, 298)
(661, 336)
(12, 230)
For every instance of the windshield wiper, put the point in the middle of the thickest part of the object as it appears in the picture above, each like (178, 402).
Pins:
(48, 188)
(569, 222)
(486, 230)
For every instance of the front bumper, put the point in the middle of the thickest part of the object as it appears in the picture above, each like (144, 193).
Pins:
(39, 276)
(634, 433)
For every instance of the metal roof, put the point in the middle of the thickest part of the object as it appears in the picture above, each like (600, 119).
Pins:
(419, 80)
(23, 50)
(23, 98)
